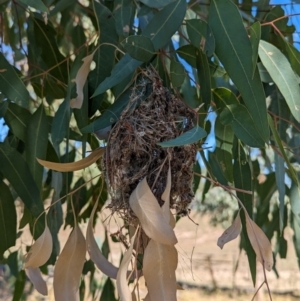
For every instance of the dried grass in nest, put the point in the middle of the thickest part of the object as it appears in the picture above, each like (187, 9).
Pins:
(132, 150)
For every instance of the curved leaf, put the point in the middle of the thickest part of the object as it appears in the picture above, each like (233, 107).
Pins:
(36, 143)
(201, 35)
(204, 77)
(35, 276)
(81, 77)
(16, 171)
(243, 125)
(124, 14)
(234, 50)
(96, 256)
(177, 73)
(260, 244)
(11, 85)
(8, 219)
(81, 164)
(69, 266)
(122, 286)
(145, 206)
(231, 233)
(40, 251)
(283, 75)
(160, 29)
(159, 266)
(191, 136)
(255, 33)
(37, 4)
(139, 47)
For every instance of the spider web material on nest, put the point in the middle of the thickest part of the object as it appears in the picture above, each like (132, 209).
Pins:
(132, 152)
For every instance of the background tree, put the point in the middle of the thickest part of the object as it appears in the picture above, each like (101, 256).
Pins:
(233, 63)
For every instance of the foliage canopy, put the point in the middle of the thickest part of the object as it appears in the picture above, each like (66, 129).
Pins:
(67, 71)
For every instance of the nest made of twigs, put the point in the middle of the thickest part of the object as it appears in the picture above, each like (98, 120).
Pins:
(132, 152)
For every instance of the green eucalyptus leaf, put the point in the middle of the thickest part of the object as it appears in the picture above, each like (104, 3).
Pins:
(177, 73)
(224, 143)
(156, 3)
(264, 74)
(243, 181)
(280, 175)
(201, 35)
(171, 17)
(255, 33)
(189, 137)
(45, 39)
(17, 118)
(124, 11)
(243, 125)
(37, 4)
(279, 144)
(188, 53)
(17, 172)
(189, 93)
(60, 124)
(224, 97)
(19, 286)
(108, 291)
(204, 78)
(110, 116)
(104, 57)
(234, 50)
(283, 75)
(11, 85)
(8, 219)
(293, 55)
(36, 143)
(139, 47)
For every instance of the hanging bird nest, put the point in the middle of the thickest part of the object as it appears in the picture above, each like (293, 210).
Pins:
(133, 151)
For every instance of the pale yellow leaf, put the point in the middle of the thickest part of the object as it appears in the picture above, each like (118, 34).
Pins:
(34, 275)
(40, 251)
(159, 266)
(69, 266)
(96, 256)
(122, 283)
(82, 74)
(166, 197)
(260, 243)
(151, 216)
(81, 164)
(231, 233)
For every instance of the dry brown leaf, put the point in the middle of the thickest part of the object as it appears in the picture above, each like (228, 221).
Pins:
(159, 266)
(82, 74)
(260, 243)
(96, 256)
(81, 164)
(69, 266)
(122, 283)
(231, 233)
(151, 216)
(34, 275)
(40, 251)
